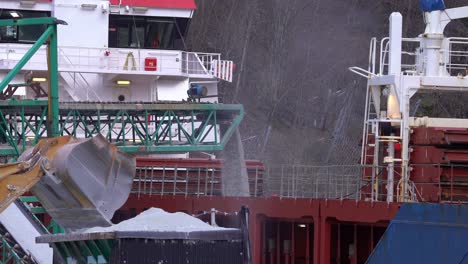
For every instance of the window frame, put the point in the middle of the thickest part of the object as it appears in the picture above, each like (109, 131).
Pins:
(145, 22)
(17, 39)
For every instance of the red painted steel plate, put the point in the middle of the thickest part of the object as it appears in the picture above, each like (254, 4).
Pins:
(461, 138)
(457, 155)
(438, 136)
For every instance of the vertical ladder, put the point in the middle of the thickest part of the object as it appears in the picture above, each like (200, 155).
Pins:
(368, 130)
(370, 148)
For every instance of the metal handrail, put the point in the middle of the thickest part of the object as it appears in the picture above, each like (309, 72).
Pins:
(361, 72)
(113, 59)
(82, 77)
(291, 181)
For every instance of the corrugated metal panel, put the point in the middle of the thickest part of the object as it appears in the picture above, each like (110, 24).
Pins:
(145, 251)
(425, 233)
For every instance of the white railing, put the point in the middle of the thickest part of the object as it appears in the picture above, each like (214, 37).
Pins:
(223, 69)
(379, 51)
(454, 54)
(123, 61)
(77, 82)
(10, 54)
(410, 62)
(457, 56)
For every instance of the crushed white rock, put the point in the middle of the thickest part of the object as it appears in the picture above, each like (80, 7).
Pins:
(158, 220)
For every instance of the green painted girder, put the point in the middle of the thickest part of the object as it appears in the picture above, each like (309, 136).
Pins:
(135, 128)
(49, 37)
(86, 251)
(8, 253)
(31, 21)
(29, 103)
(29, 54)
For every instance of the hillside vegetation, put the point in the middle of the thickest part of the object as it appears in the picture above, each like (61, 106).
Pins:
(302, 104)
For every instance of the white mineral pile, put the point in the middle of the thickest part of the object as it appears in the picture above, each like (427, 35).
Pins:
(158, 220)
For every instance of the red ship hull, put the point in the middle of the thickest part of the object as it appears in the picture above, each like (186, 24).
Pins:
(317, 230)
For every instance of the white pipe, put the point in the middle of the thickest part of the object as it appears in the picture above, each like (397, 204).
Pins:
(390, 171)
(213, 217)
(396, 36)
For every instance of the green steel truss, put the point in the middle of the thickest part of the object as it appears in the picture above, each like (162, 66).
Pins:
(9, 254)
(135, 128)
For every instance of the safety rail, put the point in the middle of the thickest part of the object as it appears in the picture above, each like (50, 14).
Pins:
(190, 181)
(378, 62)
(77, 82)
(457, 56)
(361, 72)
(122, 61)
(314, 182)
(410, 50)
(454, 54)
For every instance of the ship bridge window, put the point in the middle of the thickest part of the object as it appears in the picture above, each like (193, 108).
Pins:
(147, 32)
(21, 34)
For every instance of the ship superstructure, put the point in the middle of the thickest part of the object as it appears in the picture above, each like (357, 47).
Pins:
(119, 51)
(123, 71)
(410, 158)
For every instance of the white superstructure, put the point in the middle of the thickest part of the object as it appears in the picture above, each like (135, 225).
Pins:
(398, 68)
(113, 50)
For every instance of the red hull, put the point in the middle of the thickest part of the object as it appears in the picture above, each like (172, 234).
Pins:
(291, 230)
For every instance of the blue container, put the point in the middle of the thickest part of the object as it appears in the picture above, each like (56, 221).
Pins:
(425, 233)
(432, 5)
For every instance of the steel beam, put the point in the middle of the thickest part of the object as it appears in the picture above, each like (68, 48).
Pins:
(50, 34)
(35, 47)
(53, 98)
(31, 21)
(172, 128)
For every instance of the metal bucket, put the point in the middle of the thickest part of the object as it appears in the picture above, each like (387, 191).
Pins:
(85, 183)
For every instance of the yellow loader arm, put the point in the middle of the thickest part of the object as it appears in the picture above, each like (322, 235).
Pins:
(19, 177)
(80, 182)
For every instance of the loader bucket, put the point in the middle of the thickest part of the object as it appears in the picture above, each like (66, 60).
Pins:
(85, 183)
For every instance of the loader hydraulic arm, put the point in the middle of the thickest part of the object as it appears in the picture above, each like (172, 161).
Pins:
(80, 182)
(19, 177)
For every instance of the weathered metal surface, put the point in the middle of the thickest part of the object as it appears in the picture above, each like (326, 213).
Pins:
(88, 180)
(66, 237)
(425, 233)
(234, 234)
(439, 136)
(144, 251)
(229, 234)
